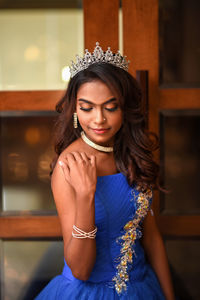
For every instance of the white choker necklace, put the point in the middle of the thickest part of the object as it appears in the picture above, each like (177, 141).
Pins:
(95, 146)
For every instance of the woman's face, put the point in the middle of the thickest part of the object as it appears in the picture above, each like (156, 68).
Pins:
(99, 112)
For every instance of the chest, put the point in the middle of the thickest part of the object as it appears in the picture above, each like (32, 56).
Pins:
(105, 165)
(114, 204)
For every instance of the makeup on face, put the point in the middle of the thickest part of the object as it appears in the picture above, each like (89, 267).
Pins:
(110, 105)
(99, 112)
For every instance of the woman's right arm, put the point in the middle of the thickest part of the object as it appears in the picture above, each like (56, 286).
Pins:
(73, 185)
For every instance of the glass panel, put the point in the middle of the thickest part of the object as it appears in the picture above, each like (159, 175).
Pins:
(184, 259)
(179, 43)
(180, 161)
(25, 156)
(37, 45)
(27, 266)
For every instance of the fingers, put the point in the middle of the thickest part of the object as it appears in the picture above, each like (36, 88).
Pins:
(79, 167)
(93, 160)
(65, 169)
(79, 157)
(89, 159)
(70, 158)
(84, 156)
(76, 157)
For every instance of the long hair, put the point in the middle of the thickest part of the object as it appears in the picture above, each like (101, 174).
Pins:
(133, 144)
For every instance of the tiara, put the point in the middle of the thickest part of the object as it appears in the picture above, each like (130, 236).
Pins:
(97, 56)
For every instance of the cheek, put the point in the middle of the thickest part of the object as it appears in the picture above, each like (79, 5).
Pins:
(118, 119)
(83, 118)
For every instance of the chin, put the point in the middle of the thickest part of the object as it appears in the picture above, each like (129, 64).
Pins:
(104, 138)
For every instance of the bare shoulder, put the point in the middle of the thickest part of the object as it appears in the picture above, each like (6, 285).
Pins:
(57, 172)
(64, 195)
(77, 145)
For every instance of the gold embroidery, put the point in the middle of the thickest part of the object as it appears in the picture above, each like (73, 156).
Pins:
(128, 239)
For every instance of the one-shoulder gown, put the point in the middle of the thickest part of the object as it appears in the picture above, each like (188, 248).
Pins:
(121, 270)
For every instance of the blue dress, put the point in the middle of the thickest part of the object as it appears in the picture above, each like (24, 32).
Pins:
(121, 270)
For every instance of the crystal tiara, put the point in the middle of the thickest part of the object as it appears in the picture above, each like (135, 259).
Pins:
(98, 55)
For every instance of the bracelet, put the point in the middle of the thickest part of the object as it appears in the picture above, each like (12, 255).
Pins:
(82, 234)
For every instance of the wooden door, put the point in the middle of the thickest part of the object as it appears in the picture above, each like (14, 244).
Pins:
(174, 114)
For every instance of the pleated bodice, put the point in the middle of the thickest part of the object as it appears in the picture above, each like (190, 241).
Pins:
(115, 205)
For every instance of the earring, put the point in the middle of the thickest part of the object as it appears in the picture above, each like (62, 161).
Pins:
(75, 120)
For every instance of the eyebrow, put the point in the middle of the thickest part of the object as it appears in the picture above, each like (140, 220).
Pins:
(89, 102)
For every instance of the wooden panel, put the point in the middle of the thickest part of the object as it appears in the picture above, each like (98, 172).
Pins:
(29, 227)
(140, 36)
(142, 78)
(140, 19)
(48, 226)
(179, 98)
(179, 226)
(29, 100)
(101, 23)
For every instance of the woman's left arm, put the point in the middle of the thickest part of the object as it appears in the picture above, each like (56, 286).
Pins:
(156, 254)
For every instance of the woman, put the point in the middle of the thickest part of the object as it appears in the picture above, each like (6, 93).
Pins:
(102, 185)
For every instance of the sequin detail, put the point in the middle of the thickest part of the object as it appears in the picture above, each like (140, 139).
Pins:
(127, 240)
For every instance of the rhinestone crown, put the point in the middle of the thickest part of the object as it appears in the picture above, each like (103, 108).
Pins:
(98, 55)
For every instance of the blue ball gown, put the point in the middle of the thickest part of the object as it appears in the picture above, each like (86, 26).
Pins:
(121, 270)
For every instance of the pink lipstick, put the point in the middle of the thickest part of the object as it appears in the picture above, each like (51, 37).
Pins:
(100, 131)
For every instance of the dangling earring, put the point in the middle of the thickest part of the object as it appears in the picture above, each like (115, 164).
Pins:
(75, 120)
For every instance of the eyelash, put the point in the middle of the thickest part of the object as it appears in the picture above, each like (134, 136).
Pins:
(109, 109)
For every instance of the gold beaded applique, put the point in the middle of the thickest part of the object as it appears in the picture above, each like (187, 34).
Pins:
(127, 240)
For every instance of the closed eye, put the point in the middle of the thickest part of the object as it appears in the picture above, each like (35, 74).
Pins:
(112, 109)
(106, 108)
(86, 109)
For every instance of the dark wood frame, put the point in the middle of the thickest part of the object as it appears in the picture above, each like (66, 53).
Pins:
(140, 32)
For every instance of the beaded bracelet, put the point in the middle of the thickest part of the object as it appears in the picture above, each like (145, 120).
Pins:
(82, 234)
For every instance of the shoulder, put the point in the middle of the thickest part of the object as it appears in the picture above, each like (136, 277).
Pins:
(58, 179)
(57, 175)
(77, 145)
(63, 193)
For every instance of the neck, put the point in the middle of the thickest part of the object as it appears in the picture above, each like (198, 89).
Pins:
(94, 145)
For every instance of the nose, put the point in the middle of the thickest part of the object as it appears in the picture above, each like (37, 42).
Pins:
(99, 117)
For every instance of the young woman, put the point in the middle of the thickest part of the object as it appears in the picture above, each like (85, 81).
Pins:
(102, 184)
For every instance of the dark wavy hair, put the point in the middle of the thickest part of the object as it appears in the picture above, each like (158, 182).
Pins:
(134, 144)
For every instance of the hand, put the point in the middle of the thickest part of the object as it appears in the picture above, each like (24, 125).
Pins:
(80, 172)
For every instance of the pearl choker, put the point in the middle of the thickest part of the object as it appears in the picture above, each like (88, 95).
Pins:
(95, 146)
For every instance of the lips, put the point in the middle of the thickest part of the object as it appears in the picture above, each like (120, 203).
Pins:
(100, 130)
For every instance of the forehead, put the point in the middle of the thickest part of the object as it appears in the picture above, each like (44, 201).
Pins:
(95, 91)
